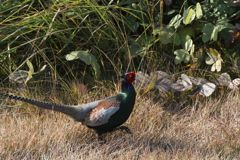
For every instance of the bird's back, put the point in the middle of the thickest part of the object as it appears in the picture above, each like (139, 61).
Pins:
(126, 103)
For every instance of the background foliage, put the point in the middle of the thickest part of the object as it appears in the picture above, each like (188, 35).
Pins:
(77, 39)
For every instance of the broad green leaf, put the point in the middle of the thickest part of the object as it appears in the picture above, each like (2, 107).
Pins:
(214, 52)
(86, 57)
(211, 59)
(188, 16)
(199, 13)
(181, 55)
(217, 66)
(156, 31)
(165, 35)
(135, 50)
(214, 59)
(146, 41)
(176, 39)
(175, 21)
(188, 44)
(207, 32)
(132, 24)
(226, 34)
(210, 32)
(218, 28)
(214, 34)
(222, 24)
(185, 34)
(141, 46)
(177, 24)
(192, 51)
(219, 61)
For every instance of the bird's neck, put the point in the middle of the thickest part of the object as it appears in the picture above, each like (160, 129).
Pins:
(127, 86)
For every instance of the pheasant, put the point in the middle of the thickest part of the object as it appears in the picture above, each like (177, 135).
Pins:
(104, 115)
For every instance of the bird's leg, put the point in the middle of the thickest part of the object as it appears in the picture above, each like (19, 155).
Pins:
(100, 134)
(100, 138)
(125, 128)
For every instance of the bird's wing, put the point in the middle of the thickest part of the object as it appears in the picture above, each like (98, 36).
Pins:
(102, 112)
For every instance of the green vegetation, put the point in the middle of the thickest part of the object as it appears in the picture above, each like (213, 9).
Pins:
(73, 52)
(121, 35)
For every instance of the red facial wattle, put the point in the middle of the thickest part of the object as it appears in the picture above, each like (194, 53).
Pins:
(131, 77)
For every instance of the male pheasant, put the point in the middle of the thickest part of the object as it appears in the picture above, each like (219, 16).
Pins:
(104, 115)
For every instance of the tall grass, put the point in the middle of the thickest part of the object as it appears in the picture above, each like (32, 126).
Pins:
(45, 31)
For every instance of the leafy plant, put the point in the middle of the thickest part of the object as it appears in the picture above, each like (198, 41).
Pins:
(118, 35)
(86, 57)
(23, 76)
(214, 59)
(184, 28)
(211, 31)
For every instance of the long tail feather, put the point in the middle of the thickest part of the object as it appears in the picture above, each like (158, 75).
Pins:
(41, 104)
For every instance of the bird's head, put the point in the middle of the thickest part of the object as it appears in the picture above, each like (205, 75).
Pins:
(130, 77)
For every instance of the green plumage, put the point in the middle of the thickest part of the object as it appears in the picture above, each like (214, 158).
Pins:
(127, 101)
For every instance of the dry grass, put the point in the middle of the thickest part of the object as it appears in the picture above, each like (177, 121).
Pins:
(204, 130)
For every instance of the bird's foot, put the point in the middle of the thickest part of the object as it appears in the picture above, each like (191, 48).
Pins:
(101, 140)
(125, 128)
(101, 132)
